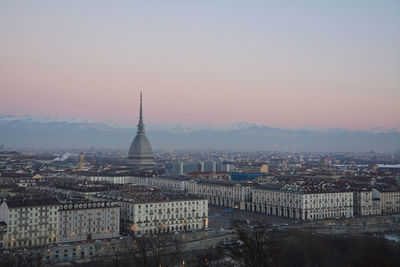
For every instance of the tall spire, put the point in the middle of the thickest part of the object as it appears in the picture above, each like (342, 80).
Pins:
(140, 124)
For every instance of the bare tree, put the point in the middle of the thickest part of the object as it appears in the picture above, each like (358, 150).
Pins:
(254, 247)
(116, 255)
(161, 250)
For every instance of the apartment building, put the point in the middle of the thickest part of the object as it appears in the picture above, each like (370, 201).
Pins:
(163, 182)
(121, 179)
(30, 222)
(3, 233)
(150, 211)
(304, 203)
(81, 221)
(169, 183)
(389, 199)
(364, 204)
(223, 193)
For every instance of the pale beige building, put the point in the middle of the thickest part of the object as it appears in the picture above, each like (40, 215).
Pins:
(223, 193)
(30, 222)
(88, 221)
(297, 203)
(161, 182)
(364, 204)
(146, 211)
(389, 199)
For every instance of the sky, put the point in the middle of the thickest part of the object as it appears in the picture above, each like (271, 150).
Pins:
(324, 64)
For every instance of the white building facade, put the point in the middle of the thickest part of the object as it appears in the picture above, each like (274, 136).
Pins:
(88, 221)
(30, 222)
(161, 217)
(303, 205)
(389, 199)
(364, 204)
(148, 211)
(223, 193)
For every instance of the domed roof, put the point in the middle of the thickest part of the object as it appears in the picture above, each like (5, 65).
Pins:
(140, 147)
(140, 152)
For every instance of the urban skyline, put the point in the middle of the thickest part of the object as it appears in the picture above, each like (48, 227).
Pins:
(200, 133)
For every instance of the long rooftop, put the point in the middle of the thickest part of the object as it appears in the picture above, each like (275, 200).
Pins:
(138, 194)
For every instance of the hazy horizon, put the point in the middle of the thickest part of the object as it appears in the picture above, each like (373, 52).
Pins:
(221, 126)
(58, 133)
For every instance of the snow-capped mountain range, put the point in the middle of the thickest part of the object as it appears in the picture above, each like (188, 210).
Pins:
(186, 128)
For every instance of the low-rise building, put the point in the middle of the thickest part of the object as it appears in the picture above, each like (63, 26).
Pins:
(139, 180)
(211, 175)
(76, 188)
(253, 168)
(169, 183)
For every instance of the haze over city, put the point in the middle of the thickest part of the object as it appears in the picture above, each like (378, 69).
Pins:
(278, 63)
(199, 133)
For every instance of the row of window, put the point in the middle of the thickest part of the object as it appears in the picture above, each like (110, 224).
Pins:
(88, 230)
(172, 204)
(34, 208)
(168, 228)
(185, 215)
(34, 242)
(22, 221)
(32, 227)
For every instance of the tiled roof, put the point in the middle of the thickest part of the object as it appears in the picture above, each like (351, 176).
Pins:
(27, 202)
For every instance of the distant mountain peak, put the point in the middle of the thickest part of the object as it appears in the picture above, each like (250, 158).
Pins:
(188, 128)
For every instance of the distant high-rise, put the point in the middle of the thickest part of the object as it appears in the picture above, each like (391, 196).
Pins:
(140, 152)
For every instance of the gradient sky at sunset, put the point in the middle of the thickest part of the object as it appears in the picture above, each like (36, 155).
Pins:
(279, 63)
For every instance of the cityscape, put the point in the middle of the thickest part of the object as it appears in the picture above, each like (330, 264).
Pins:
(212, 149)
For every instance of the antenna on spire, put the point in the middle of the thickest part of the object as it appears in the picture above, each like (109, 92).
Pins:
(140, 124)
(141, 109)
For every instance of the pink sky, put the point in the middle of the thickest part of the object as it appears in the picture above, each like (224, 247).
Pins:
(203, 64)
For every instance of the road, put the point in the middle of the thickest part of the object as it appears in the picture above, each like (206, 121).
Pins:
(218, 219)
